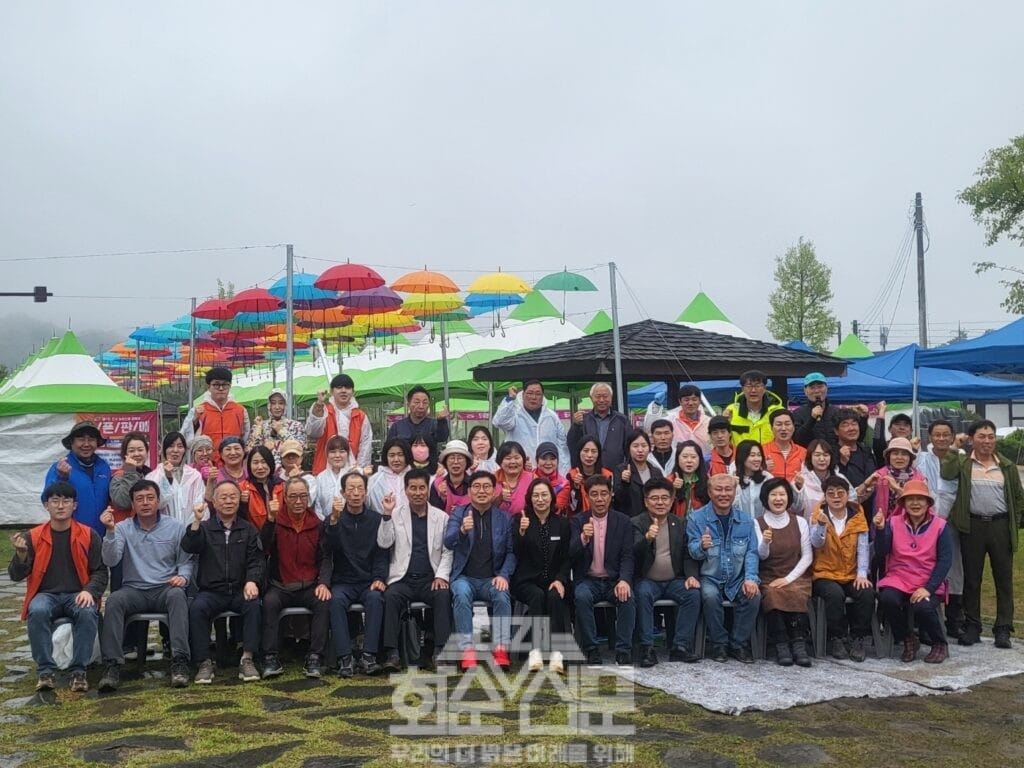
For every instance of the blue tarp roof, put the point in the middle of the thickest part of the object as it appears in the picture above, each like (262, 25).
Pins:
(999, 351)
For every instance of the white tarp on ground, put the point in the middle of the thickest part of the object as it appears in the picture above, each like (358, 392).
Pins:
(733, 688)
(29, 444)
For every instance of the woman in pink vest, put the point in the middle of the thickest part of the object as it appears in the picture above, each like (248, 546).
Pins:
(918, 552)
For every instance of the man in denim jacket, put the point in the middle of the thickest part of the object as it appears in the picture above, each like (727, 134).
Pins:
(721, 538)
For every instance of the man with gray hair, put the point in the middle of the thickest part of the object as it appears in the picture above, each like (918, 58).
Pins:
(608, 427)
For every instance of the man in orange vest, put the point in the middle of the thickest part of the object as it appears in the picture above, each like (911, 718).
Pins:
(217, 416)
(63, 563)
(341, 416)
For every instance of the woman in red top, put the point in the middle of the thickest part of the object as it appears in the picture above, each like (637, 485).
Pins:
(572, 499)
(262, 490)
(512, 478)
(690, 479)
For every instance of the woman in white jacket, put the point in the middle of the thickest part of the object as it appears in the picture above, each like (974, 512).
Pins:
(181, 485)
(389, 479)
(751, 475)
(821, 462)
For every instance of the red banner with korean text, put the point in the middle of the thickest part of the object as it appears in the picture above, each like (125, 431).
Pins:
(114, 426)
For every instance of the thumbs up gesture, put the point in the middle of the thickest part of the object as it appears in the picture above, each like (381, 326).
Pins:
(198, 511)
(588, 531)
(506, 492)
(524, 523)
(767, 536)
(879, 520)
(652, 531)
(512, 392)
(272, 509)
(798, 481)
(819, 516)
(627, 474)
(467, 522)
(705, 540)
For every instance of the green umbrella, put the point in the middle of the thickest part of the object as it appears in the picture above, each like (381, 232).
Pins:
(564, 281)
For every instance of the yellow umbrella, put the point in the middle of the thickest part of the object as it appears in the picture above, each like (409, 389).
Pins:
(430, 304)
(498, 282)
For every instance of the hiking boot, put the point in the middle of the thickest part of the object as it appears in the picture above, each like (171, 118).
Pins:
(272, 666)
(393, 662)
(800, 655)
(910, 648)
(247, 671)
(557, 663)
(938, 654)
(594, 658)
(204, 675)
(837, 648)
(368, 664)
(111, 678)
(857, 649)
(312, 666)
(500, 656)
(648, 658)
(45, 682)
(1003, 638)
(742, 654)
(684, 654)
(179, 672)
(719, 653)
(78, 682)
(345, 668)
(970, 635)
(535, 661)
(783, 655)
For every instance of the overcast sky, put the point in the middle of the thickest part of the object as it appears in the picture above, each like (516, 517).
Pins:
(689, 142)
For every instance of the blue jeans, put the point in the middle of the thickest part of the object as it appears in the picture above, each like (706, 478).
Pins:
(464, 591)
(589, 591)
(42, 611)
(687, 600)
(744, 614)
(344, 595)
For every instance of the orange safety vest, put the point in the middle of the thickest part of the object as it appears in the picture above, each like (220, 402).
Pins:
(355, 430)
(217, 425)
(42, 547)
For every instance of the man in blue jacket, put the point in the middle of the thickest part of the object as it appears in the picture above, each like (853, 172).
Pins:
(601, 550)
(721, 538)
(87, 472)
(480, 537)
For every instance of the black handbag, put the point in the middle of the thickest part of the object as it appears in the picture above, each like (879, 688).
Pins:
(409, 640)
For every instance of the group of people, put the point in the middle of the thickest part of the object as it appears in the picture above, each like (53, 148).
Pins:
(757, 510)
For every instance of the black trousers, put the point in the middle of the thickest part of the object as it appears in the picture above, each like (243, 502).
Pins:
(992, 538)
(409, 589)
(276, 600)
(783, 626)
(893, 603)
(543, 602)
(207, 606)
(839, 614)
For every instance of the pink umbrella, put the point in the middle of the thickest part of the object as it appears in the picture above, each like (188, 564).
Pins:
(254, 300)
(349, 277)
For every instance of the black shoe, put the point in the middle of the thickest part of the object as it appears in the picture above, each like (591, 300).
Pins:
(393, 662)
(179, 672)
(345, 668)
(800, 653)
(624, 659)
(783, 655)
(272, 666)
(311, 668)
(719, 653)
(368, 664)
(954, 629)
(111, 678)
(648, 658)
(594, 657)
(1003, 638)
(970, 636)
(857, 649)
(742, 654)
(837, 648)
(45, 681)
(684, 654)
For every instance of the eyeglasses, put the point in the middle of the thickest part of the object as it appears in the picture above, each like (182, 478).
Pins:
(59, 501)
(659, 499)
(481, 487)
(220, 384)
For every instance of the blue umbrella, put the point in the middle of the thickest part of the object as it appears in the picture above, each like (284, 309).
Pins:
(305, 295)
(147, 334)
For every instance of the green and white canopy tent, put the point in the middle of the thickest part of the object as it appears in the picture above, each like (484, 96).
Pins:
(38, 406)
(704, 314)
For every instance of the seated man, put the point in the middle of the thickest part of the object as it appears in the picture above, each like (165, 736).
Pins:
(231, 571)
(664, 570)
(420, 565)
(721, 538)
(298, 575)
(480, 537)
(839, 535)
(359, 570)
(155, 573)
(721, 459)
(66, 577)
(601, 550)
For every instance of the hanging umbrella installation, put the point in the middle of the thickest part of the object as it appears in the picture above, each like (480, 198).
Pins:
(566, 282)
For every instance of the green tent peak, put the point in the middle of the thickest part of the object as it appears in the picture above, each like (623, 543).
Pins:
(458, 326)
(67, 345)
(852, 348)
(534, 306)
(700, 309)
(598, 323)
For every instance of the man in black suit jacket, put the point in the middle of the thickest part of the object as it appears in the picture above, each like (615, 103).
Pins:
(664, 571)
(602, 556)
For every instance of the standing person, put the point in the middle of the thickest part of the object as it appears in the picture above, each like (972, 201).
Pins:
(530, 422)
(900, 425)
(420, 424)
(450, 489)
(291, 466)
(782, 457)
(341, 416)
(631, 475)
(63, 563)
(818, 417)
(481, 445)
(134, 455)
(328, 482)
(231, 464)
(87, 472)
(585, 464)
(359, 573)
(942, 440)
(988, 509)
(609, 427)
(201, 455)
(663, 446)
(298, 575)
(480, 537)
(664, 570)
(277, 429)
(156, 572)
(512, 478)
(231, 569)
(689, 421)
(721, 538)
(856, 462)
(181, 485)
(261, 491)
(689, 479)
(721, 459)
(894, 475)
(389, 479)
(917, 552)
(541, 579)
(218, 415)
(839, 537)
(819, 465)
(750, 477)
(601, 550)
(750, 413)
(784, 546)
(419, 569)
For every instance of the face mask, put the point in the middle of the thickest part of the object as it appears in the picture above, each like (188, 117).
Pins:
(420, 453)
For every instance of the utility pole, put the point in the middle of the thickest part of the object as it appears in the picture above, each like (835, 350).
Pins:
(839, 332)
(922, 307)
(289, 343)
(616, 345)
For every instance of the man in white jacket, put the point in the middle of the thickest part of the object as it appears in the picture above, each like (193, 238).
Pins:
(419, 568)
(529, 422)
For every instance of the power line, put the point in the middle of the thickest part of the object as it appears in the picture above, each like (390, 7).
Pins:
(140, 253)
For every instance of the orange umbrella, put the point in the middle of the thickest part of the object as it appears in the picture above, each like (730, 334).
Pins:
(424, 281)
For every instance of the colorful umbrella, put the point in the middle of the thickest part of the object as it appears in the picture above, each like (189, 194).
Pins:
(425, 282)
(305, 294)
(428, 305)
(564, 281)
(254, 300)
(380, 299)
(349, 277)
(214, 309)
(498, 282)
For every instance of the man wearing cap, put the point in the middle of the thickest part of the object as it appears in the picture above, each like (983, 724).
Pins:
(277, 429)
(340, 416)
(291, 466)
(721, 460)
(601, 422)
(530, 422)
(87, 472)
(66, 577)
(750, 413)
(546, 467)
(818, 418)
(900, 425)
(218, 415)
(451, 489)
(420, 424)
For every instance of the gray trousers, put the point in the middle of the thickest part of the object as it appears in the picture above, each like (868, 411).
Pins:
(127, 600)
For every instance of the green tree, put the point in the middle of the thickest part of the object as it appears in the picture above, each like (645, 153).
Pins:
(225, 291)
(799, 305)
(996, 200)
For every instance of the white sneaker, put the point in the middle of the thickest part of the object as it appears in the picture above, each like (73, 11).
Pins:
(535, 662)
(556, 664)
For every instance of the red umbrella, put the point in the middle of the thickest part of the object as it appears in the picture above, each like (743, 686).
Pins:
(349, 277)
(213, 309)
(254, 300)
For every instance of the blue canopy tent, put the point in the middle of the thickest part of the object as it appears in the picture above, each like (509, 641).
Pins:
(998, 351)
(716, 392)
